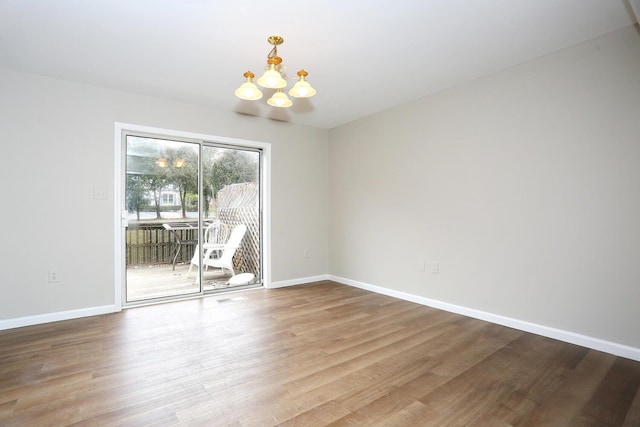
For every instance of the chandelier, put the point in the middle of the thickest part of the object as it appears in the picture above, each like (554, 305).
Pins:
(273, 79)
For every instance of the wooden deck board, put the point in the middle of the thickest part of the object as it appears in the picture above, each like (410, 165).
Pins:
(158, 281)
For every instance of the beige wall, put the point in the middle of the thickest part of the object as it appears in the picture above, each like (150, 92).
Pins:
(524, 186)
(58, 143)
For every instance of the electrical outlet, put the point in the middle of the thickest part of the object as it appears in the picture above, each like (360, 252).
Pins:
(100, 192)
(306, 253)
(435, 267)
(54, 276)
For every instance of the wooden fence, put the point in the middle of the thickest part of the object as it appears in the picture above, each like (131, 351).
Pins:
(151, 243)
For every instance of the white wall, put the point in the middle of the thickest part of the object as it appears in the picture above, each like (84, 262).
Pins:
(524, 186)
(58, 143)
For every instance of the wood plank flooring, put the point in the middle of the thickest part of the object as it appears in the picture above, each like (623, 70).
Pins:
(311, 355)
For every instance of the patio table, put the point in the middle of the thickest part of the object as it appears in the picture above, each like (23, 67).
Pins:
(174, 228)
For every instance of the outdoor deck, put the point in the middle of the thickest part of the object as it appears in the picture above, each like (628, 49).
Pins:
(157, 281)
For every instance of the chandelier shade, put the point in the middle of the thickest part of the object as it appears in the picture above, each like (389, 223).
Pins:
(302, 88)
(279, 99)
(248, 90)
(274, 78)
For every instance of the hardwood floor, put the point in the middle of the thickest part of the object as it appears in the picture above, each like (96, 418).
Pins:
(311, 355)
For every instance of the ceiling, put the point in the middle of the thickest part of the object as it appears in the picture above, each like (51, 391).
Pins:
(362, 56)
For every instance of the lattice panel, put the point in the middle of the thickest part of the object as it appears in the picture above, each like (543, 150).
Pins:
(238, 204)
(247, 257)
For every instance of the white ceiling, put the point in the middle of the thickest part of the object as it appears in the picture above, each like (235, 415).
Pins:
(362, 56)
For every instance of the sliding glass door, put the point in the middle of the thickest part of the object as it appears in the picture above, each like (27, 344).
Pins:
(191, 218)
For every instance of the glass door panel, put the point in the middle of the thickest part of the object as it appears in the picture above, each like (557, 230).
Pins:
(231, 255)
(161, 196)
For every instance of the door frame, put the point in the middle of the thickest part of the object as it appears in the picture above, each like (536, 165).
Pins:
(119, 205)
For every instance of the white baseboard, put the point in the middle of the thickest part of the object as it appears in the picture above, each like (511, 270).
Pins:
(545, 331)
(300, 281)
(19, 322)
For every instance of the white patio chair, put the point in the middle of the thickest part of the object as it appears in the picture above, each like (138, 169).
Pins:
(225, 261)
(215, 237)
(220, 255)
